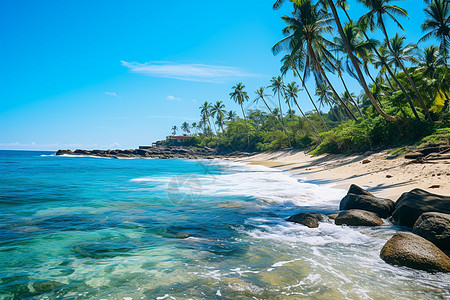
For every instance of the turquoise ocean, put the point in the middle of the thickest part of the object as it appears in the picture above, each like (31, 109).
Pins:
(96, 228)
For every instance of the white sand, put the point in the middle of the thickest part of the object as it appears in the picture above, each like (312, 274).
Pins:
(387, 178)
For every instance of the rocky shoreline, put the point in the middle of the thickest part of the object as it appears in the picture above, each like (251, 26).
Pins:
(423, 243)
(161, 152)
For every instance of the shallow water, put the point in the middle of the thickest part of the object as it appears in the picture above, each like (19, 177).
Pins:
(92, 228)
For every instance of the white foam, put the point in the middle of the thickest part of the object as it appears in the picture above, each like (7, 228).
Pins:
(253, 181)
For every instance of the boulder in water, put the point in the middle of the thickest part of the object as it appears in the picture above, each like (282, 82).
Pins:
(434, 227)
(413, 251)
(412, 204)
(357, 217)
(380, 206)
(309, 219)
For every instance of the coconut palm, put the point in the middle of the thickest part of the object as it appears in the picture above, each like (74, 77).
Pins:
(205, 112)
(293, 61)
(185, 128)
(219, 111)
(430, 60)
(292, 90)
(231, 115)
(194, 126)
(305, 31)
(404, 53)
(261, 95)
(240, 96)
(278, 88)
(377, 10)
(437, 23)
(356, 65)
(326, 98)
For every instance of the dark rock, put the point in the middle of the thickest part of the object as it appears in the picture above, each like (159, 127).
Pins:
(356, 217)
(380, 206)
(354, 189)
(416, 202)
(309, 219)
(82, 152)
(413, 155)
(428, 150)
(62, 152)
(410, 250)
(434, 227)
(366, 161)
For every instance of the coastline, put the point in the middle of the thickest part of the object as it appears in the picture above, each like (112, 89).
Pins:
(384, 177)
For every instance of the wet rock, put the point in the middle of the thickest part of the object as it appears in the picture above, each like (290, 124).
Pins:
(434, 227)
(382, 207)
(309, 219)
(332, 216)
(357, 217)
(81, 152)
(413, 251)
(412, 204)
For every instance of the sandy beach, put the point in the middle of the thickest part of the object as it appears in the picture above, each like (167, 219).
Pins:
(384, 177)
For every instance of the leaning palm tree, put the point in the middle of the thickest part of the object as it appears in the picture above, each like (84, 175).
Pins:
(294, 61)
(292, 90)
(306, 31)
(356, 65)
(437, 23)
(240, 96)
(377, 10)
(261, 95)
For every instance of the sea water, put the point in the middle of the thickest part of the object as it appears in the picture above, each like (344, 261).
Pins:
(95, 228)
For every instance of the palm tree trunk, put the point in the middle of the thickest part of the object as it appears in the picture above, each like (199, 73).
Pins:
(350, 95)
(279, 104)
(322, 72)
(334, 113)
(356, 66)
(413, 85)
(310, 98)
(388, 68)
(245, 119)
(307, 120)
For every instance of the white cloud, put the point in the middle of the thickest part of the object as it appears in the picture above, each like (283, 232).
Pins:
(111, 94)
(173, 98)
(189, 72)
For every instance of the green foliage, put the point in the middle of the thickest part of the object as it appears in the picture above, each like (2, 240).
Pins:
(439, 136)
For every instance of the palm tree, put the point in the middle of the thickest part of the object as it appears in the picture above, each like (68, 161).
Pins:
(174, 130)
(261, 95)
(185, 128)
(305, 31)
(240, 96)
(231, 115)
(205, 112)
(356, 65)
(278, 88)
(378, 9)
(194, 126)
(293, 61)
(219, 111)
(430, 60)
(292, 90)
(325, 97)
(438, 25)
(404, 53)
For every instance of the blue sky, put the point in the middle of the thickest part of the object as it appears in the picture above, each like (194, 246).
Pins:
(118, 74)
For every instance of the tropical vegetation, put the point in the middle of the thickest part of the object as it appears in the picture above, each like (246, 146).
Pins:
(403, 94)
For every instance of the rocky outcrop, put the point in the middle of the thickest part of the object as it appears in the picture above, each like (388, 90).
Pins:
(411, 205)
(309, 219)
(156, 152)
(357, 190)
(434, 227)
(357, 217)
(382, 207)
(410, 250)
